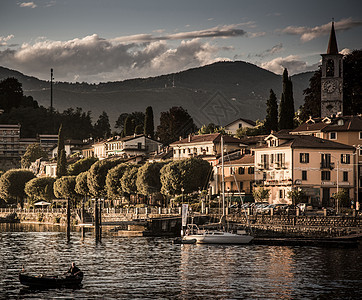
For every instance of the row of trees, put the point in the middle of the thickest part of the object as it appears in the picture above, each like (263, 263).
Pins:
(111, 178)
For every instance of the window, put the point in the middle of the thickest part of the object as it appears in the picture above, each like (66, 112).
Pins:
(345, 158)
(345, 176)
(280, 160)
(251, 170)
(326, 175)
(333, 135)
(265, 161)
(240, 125)
(241, 185)
(304, 158)
(304, 175)
(281, 194)
(330, 68)
(360, 135)
(325, 160)
(241, 170)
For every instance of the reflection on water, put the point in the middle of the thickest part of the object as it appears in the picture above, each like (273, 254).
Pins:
(139, 268)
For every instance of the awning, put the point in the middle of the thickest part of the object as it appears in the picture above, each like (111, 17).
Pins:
(42, 203)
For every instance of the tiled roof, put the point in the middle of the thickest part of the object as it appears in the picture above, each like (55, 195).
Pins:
(308, 141)
(350, 123)
(212, 137)
(246, 159)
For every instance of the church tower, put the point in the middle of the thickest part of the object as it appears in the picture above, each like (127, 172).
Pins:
(332, 79)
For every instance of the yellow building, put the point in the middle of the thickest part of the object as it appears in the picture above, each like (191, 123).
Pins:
(318, 167)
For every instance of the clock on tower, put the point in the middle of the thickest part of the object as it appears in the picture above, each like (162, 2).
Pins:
(332, 79)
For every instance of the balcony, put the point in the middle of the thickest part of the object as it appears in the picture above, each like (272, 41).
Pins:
(327, 165)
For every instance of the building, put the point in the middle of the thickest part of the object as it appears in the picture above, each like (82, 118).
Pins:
(332, 79)
(232, 127)
(10, 150)
(129, 146)
(238, 175)
(206, 146)
(316, 166)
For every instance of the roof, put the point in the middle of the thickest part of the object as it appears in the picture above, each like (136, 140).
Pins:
(129, 138)
(245, 159)
(251, 122)
(332, 44)
(308, 141)
(212, 137)
(350, 123)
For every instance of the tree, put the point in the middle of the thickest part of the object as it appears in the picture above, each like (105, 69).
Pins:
(120, 121)
(174, 123)
(342, 199)
(97, 174)
(261, 194)
(297, 196)
(149, 127)
(312, 98)
(113, 181)
(128, 180)
(32, 153)
(352, 83)
(40, 188)
(12, 185)
(65, 188)
(11, 93)
(271, 120)
(102, 129)
(286, 108)
(81, 165)
(128, 127)
(81, 184)
(170, 176)
(77, 124)
(148, 178)
(61, 158)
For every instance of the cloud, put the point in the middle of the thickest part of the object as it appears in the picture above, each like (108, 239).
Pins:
(225, 31)
(292, 62)
(4, 39)
(308, 34)
(95, 59)
(275, 49)
(28, 4)
(345, 51)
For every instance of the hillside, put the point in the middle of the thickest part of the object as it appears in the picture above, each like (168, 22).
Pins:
(217, 93)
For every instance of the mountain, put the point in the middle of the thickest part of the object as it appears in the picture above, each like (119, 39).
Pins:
(218, 93)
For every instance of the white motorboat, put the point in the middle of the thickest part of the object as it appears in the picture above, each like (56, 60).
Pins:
(216, 236)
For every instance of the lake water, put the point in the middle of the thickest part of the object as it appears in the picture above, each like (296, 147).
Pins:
(154, 268)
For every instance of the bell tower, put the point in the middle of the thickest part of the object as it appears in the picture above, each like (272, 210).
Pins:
(332, 79)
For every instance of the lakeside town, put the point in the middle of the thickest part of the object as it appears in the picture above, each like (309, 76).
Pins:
(314, 168)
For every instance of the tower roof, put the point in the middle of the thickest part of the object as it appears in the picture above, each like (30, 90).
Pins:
(332, 45)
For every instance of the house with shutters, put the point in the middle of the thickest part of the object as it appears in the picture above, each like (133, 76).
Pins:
(316, 166)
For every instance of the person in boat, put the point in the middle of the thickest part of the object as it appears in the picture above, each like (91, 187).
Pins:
(73, 270)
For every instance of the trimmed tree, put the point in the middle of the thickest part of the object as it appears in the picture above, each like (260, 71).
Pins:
(32, 153)
(113, 181)
(12, 185)
(81, 184)
(148, 178)
(128, 127)
(65, 188)
(81, 165)
(128, 180)
(149, 129)
(170, 176)
(97, 174)
(40, 188)
(261, 194)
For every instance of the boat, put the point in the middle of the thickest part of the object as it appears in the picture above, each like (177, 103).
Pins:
(214, 236)
(56, 281)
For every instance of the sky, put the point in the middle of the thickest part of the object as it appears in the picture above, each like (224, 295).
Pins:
(111, 40)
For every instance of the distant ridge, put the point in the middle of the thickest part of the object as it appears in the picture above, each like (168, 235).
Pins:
(218, 93)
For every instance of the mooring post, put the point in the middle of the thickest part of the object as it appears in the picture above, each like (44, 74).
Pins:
(68, 219)
(96, 220)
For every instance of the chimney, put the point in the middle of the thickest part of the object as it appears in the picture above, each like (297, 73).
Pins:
(189, 138)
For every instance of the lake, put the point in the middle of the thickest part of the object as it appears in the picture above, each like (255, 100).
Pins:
(155, 268)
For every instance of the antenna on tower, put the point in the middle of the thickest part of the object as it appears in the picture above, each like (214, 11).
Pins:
(51, 90)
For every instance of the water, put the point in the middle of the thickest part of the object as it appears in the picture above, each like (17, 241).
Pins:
(154, 268)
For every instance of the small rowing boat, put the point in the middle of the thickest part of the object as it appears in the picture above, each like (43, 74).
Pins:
(42, 281)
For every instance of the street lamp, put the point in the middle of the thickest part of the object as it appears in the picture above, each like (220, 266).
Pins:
(182, 190)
